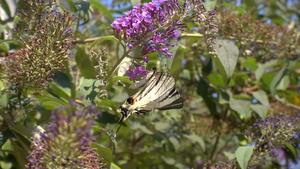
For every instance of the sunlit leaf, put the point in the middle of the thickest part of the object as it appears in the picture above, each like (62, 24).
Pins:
(242, 107)
(210, 4)
(260, 109)
(243, 155)
(284, 83)
(89, 89)
(261, 68)
(227, 58)
(291, 148)
(279, 76)
(262, 97)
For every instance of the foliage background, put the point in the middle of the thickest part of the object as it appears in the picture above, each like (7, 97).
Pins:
(255, 76)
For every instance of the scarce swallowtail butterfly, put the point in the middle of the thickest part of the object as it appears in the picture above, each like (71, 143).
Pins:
(157, 91)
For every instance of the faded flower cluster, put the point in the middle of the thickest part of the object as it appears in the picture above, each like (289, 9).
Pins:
(152, 25)
(47, 39)
(272, 134)
(66, 142)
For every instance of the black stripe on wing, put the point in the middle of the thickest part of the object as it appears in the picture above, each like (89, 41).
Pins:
(172, 101)
(176, 104)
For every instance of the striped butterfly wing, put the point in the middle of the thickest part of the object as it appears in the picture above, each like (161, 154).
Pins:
(158, 92)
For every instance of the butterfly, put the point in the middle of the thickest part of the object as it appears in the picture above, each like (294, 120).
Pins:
(156, 91)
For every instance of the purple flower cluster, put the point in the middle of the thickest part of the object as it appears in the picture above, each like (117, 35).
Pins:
(142, 23)
(275, 131)
(66, 143)
(151, 26)
(272, 134)
(138, 71)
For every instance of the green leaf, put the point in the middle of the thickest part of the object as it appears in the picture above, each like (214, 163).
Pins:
(101, 8)
(4, 46)
(175, 142)
(25, 131)
(104, 38)
(104, 153)
(173, 162)
(3, 137)
(242, 107)
(243, 155)
(250, 63)
(260, 109)
(114, 166)
(227, 58)
(196, 139)
(51, 102)
(261, 69)
(210, 4)
(135, 2)
(122, 78)
(135, 125)
(279, 76)
(284, 83)
(262, 97)
(216, 79)
(292, 149)
(20, 155)
(84, 64)
(229, 156)
(3, 96)
(60, 91)
(89, 89)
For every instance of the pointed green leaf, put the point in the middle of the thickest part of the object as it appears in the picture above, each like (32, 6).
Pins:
(284, 83)
(260, 109)
(292, 149)
(242, 107)
(261, 69)
(227, 58)
(243, 155)
(262, 97)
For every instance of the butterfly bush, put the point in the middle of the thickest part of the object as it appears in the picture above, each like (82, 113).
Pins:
(272, 134)
(153, 25)
(66, 142)
(47, 37)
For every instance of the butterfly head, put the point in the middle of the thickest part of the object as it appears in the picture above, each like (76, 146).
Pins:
(127, 107)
